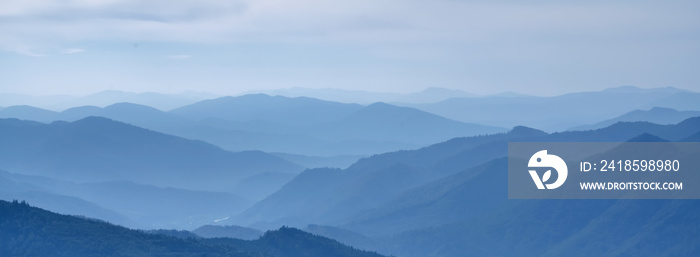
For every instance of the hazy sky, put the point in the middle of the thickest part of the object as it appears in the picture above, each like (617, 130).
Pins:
(228, 47)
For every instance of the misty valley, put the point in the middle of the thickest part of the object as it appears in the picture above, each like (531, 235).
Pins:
(122, 174)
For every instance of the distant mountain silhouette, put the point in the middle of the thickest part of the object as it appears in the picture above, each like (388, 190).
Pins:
(259, 186)
(298, 111)
(428, 95)
(623, 131)
(105, 98)
(692, 138)
(385, 122)
(558, 113)
(26, 112)
(634, 90)
(340, 161)
(98, 149)
(125, 203)
(30, 231)
(301, 126)
(76, 113)
(314, 127)
(332, 94)
(451, 199)
(157, 100)
(53, 102)
(655, 115)
(646, 137)
(139, 115)
(11, 189)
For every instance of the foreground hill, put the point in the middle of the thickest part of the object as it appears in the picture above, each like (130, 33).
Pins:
(30, 231)
(97, 149)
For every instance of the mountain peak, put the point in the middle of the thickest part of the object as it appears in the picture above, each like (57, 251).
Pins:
(95, 119)
(92, 123)
(297, 111)
(646, 137)
(508, 94)
(662, 109)
(378, 105)
(27, 112)
(441, 90)
(634, 89)
(252, 96)
(526, 131)
(126, 104)
(384, 111)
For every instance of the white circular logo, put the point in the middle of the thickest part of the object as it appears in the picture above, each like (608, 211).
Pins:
(543, 160)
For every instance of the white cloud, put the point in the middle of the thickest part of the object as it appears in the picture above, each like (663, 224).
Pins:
(71, 50)
(330, 21)
(179, 56)
(492, 43)
(23, 50)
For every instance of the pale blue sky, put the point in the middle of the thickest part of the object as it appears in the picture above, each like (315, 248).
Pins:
(228, 47)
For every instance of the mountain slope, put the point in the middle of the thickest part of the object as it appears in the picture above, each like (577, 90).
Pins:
(623, 131)
(656, 115)
(298, 111)
(29, 231)
(11, 189)
(431, 186)
(212, 231)
(97, 149)
(563, 227)
(125, 203)
(26, 112)
(558, 113)
(157, 100)
(333, 196)
(299, 125)
(450, 199)
(428, 95)
(385, 122)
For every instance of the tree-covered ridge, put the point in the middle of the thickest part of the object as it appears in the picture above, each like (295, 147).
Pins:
(30, 231)
(293, 242)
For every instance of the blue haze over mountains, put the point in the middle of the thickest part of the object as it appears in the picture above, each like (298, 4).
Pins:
(279, 124)
(561, 112)
(422, 185)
